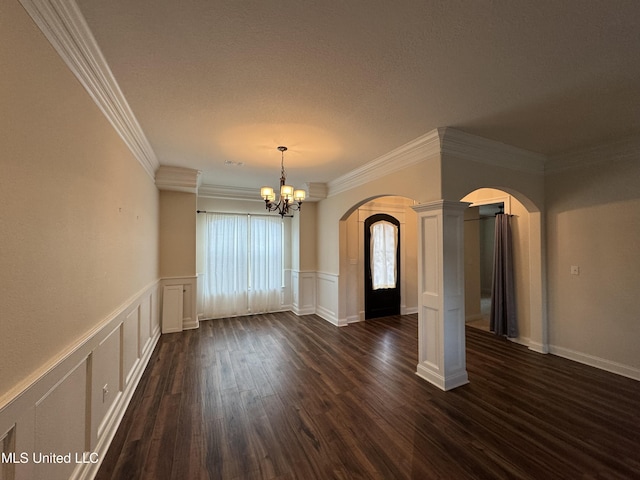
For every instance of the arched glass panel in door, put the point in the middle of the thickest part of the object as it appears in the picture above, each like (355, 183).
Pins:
(384, 245)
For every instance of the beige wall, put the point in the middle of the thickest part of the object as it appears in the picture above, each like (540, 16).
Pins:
(177, 234)
(472, 261)
(593, 222)
(305, 226)
(420, 182)
(461, 177)
(78, 214)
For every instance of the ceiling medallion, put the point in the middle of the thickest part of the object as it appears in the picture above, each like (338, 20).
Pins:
(290, 199)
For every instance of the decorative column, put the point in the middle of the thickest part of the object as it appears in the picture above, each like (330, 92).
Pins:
(441, 335)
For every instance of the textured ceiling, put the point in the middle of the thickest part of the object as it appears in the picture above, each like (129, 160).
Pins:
(342, 83)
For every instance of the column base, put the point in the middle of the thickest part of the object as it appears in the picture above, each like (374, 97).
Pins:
(443, 383)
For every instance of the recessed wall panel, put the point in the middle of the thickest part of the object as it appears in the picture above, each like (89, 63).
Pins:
(454, 333)
(431, 338)
(430, 255)
(60, 422)
(105, 374)
(145, 325)
(130, 336)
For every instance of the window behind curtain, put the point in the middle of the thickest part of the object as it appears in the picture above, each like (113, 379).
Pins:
(243, 265)
(384, 242)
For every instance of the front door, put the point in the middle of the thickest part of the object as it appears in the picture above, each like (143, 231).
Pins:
(382, 266)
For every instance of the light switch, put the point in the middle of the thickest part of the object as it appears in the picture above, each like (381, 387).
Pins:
(575, 270)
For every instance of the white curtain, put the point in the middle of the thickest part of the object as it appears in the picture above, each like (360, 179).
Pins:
(384, 242)
(265, 279)
(243, 265)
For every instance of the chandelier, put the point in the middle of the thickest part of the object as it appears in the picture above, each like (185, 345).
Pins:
(290, 199)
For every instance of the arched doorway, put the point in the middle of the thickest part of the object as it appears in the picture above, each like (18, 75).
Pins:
(352, 252)
(527, 245)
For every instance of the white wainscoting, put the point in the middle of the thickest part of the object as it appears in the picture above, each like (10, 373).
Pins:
(327, 298)
(75, 407)
(189, 307)
(303, 291)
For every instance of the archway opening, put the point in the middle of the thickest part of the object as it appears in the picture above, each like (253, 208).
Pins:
(352, 254)
(527, 245)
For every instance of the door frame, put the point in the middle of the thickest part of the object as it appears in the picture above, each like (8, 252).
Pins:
(396, 296)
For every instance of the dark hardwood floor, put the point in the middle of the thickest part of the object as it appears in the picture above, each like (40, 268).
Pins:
(286, 397)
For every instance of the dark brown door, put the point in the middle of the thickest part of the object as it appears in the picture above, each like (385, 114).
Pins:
(382, 286)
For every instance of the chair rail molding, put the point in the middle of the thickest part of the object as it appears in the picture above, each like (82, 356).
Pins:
(83, 392)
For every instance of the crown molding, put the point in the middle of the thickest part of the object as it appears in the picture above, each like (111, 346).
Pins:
(229, 193)
(622, 149)
(66, 29)
(178, 179)
(316, 191)
(402, 157)
(489, 152)
(442, 141)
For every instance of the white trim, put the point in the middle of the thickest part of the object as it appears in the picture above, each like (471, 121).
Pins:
(402, 157)
(316, 191)
(66, 29)
(623, 149)
(489, 152)
(17, 408)
(230, 193)
(597, 362)
(112, 421)
(328, 283)
(537, 347)
(189, 305)
(448, 383)
(303, 292)
(441, 141)
(178, 179)
(505, 200)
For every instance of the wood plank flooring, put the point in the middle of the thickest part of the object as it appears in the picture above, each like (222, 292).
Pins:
(277, 396)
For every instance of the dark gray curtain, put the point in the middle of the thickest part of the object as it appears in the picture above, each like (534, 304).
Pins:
(503, 319)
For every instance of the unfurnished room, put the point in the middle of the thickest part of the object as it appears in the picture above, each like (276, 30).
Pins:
(315, 240)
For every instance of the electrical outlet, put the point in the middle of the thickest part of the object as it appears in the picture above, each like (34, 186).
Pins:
(105, 392)
(575, 270)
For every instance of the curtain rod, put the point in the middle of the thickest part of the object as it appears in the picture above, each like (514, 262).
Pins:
(254, 214)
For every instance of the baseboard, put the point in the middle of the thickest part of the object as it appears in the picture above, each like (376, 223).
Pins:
(190, 324)
(538, 347)
(327, 315)
(303, 311)
(409, 310)
(597, 362)
(449, 383)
